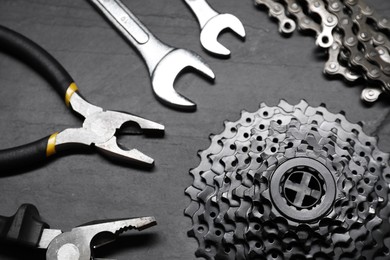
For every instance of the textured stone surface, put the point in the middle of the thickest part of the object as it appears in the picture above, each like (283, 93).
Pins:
(76, 188)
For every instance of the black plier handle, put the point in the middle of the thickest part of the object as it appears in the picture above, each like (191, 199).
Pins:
(39, 59)
(23, 48)
(27, 228)
(99, 127)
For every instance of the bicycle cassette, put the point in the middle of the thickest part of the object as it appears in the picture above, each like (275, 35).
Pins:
(291, 182)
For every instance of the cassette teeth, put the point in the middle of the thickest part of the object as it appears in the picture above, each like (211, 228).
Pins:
(291, 182)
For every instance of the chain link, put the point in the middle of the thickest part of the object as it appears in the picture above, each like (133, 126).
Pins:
(304, 21)
(354, 34)
(276, 10)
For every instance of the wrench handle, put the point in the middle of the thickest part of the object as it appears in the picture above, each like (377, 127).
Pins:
(202, 10)
(124, 20)
(151, 49)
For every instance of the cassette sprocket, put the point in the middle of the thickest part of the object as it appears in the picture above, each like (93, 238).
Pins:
(291, 182)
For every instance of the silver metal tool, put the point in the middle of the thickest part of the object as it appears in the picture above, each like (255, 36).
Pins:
(27, 228)
(212, 24)
(164, 62)
(100, 127)
(76, 244)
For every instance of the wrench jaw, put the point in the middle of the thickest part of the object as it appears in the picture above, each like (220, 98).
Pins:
(212, 29)
(165, 73)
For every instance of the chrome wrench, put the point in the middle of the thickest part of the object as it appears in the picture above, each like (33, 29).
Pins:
(164, 62)
(212, 24)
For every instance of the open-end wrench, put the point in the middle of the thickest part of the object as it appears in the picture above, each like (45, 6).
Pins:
(164, 62)
(212, 23)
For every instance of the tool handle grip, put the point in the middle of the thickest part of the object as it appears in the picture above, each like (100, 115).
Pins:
(24, 155)
(39, 59)
(25, 227)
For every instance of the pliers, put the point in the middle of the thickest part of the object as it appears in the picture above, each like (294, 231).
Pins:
(28, 229)
(99, 126)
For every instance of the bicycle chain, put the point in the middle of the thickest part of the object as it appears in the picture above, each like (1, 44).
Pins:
(291, 182)
(376, 70)
(304, 21)
(328, 22)
(332, 66)
(384, 53)
(382, 22)
(276, 10)
(365, 49)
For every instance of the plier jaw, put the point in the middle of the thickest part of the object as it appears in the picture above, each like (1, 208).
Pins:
(27, 228)
(111, 148)
(76, 244)
(100, 128)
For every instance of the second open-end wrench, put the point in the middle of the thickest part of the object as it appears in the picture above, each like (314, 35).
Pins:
(212, 23)
(164, 62)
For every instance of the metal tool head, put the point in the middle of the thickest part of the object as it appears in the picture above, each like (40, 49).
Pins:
(165, 73)
(100, 128)
(212, 29)
(110, 123)
(77, 243)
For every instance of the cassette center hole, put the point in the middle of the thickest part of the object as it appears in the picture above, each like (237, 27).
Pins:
(303, 188)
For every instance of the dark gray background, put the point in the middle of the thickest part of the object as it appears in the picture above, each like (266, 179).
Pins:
(77, 188)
